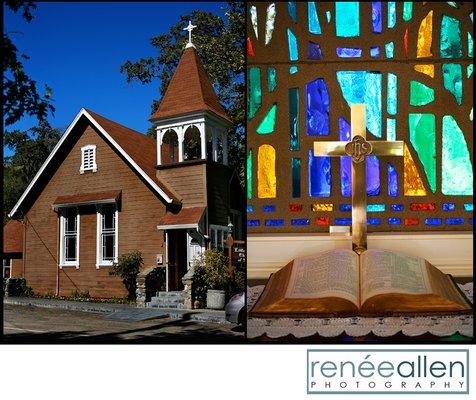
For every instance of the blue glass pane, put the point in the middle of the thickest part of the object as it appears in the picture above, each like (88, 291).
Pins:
(470, 221)
(392, 14)
(274, 222)
(249, 208)
(345, 162)
(375, 207)
(397, 207)
(373, 176)
(373, 221)
(376, 16)
(252, 222)
(391, 129)
(292, 10)
(343, 221)
(454, 221)
(299, 222)
(313, 19)
(348, 52)
(389, 49)
(293, 99)
(394, 221)
(364, 87)
(319, 175)
(269, 208)
(296, 177)
(292, 44)
(449, 206)
(345, 207)
(314, 51)
(392, 94)
(347, 18)
(433, 221)
(293, 69)
(317, 108)
(392, 180)
(374, 51)
(468, 207)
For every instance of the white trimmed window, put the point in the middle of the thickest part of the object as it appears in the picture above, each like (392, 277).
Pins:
(69, 233)
(218, 235)
(7, 268)
(88, 158)
(107, 235)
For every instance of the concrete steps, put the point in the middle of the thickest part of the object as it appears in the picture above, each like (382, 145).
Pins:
(173, 299)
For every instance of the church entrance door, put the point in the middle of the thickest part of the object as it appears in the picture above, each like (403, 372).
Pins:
(177, 258)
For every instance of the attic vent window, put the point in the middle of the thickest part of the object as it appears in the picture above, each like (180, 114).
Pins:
(88, 159)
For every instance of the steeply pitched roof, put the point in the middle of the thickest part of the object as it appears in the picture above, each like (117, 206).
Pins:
(189, 90)
(12, 237)
(139, 150)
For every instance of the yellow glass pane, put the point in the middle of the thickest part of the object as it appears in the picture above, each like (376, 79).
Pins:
(424, 36)
(266, 172)
(412, 183)
(322, 207)
(428, 69)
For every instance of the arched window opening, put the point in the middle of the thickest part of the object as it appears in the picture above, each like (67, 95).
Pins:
(169, 148)
(191, 144)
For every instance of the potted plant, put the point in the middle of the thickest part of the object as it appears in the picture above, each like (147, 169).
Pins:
(211, 267)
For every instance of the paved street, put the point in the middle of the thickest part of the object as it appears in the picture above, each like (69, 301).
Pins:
(27, 324)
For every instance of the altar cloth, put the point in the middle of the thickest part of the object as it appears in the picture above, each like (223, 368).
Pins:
(444, 325)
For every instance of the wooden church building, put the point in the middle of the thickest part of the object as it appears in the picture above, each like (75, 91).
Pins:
(106, 190)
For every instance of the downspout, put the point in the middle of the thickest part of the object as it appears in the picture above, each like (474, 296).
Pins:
(57, 257)
(24, 222)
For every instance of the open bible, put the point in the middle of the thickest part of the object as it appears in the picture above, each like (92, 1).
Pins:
(340, 282)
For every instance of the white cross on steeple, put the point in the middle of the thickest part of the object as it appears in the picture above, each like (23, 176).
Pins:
(189, 28)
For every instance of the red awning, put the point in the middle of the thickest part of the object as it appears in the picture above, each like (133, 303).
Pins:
(88, 198)
(185, 218)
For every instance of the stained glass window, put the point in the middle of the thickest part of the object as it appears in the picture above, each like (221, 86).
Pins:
(410, 63)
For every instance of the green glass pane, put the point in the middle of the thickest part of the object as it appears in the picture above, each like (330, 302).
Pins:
(407, 10)
(296, 177)
(469, 71)
(456, 168)
(470, 45)
(249, 175)
(293, 99)
(420, 94)
(271, 78)
(422, 137)
(254, 90)
(452, 80)
(451, 45)
(347, 18)
(269, 121)
(389, 49)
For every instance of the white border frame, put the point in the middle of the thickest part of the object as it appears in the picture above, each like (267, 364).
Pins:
(62, 262)
(99, 261)
(7, 266)
(94, 168)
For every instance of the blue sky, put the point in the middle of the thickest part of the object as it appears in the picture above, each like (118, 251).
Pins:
(78, 48)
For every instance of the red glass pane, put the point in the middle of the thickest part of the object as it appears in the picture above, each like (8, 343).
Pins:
(411, 221)
(295, 207)
(322, 220)
(423, 206)
(249, 47)
(405, 42)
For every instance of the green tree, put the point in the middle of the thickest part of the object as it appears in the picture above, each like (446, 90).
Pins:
(20, 93)
(220, 45)
(30, 149)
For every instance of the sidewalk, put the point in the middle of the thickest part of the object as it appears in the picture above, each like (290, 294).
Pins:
(123, 312)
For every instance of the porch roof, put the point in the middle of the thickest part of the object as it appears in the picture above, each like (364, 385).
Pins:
(187, 217)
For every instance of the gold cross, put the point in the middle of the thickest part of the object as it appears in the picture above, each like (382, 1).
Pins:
(359, 148)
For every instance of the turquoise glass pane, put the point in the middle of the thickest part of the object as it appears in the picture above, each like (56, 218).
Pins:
(453, 81)
(470, 45)
(391, 129)
(271, 79)
(347, 18)
(269, 121)
(293, 99)
(391, 14)
(249, 208)
(292, 45)
(451, 45)
(420, 94)
(468, 206)
(423, 139)
(389, 49)
(469, 71)
(313, 19)
(319, 176)
(254, 90)
(375, 207)
(376, 16)
(392, 94)
(296, 177)
(292, 10)
(364, 87)
(392, 180)
(293, 69)
(407, 10)
(317, 108)
(456, 168)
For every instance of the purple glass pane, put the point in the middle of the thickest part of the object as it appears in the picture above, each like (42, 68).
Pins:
(319, 175)
(392, 181)
(374, 51)
(376, 16)
(317, 108)
(314, 51)
(348, 52)
(373, 176)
